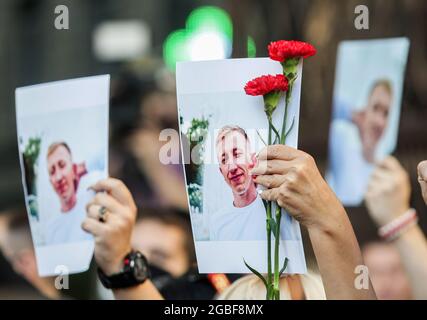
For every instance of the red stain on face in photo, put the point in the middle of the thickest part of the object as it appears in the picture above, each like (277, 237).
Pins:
(64, 176)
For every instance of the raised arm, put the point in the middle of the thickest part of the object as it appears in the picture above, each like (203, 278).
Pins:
(387, 199)
(293, 180)
(113, 234)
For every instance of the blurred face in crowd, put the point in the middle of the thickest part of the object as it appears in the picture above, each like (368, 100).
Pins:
(17, 247)
(62, 176)
(159, 111)
(386, 272)
(235, 161)
(377, 113)
(162, 244)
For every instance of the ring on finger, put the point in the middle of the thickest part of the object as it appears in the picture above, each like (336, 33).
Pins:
(102, 214)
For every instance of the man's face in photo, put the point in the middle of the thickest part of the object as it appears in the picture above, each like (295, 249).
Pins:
(235, 161)
(377, 113)
(62, 173)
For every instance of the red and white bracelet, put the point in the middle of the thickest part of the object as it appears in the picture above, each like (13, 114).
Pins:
(396, 227)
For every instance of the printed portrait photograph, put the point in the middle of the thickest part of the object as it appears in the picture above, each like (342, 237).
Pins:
(62, 131)
(366, 111)
(223, 131)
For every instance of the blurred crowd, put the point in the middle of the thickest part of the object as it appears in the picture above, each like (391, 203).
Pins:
(144, 103)
(162, 232)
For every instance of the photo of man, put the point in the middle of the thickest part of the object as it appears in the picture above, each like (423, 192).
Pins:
(68, 181)
(244, 218)
(366, 110)
(222, 132)
(59, 164)
(354, 139)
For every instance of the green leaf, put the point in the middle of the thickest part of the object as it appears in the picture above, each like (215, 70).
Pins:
(276, 232)
(290, 128)
(292, 76)
(274, 130)
(273, 226)
(263, 141)
(291, 80)
(285, 264)
(255, 272)
(265, 202)
(271, 100)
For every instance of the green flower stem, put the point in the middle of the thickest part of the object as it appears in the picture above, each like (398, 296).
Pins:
(271, 101)
(269, 271)
(276, 288)
(285, 118)
(278, 216)
(276, 133)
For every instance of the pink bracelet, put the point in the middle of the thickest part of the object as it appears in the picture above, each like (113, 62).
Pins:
(396, 227)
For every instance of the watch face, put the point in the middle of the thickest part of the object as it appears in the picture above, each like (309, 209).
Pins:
(140, 268)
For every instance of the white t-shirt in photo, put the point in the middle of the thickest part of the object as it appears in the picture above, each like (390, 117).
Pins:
(66, 226)
(249, 224)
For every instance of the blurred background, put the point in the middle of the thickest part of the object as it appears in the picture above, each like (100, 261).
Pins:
(138, 42)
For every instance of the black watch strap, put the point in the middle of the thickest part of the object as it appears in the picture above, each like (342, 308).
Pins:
(134, 272)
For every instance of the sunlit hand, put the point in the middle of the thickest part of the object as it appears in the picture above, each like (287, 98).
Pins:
(388, 192)
(112, 237)
(293, 180)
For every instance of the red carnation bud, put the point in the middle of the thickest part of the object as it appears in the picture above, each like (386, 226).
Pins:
(265, 84)
(282, 50)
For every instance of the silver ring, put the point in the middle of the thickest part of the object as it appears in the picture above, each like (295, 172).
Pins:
(102, 214)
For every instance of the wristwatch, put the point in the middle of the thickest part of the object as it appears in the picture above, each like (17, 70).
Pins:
(135, 271)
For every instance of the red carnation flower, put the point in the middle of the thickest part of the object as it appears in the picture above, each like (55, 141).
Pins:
(283, 50)
(265, 84)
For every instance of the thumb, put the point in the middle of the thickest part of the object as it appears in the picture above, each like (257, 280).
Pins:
(422, 178)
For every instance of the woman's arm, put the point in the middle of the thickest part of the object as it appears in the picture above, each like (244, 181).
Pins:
(293, 180)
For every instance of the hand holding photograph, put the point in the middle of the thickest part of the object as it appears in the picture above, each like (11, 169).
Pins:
(366, 112)
(60, 163)
(228, 120)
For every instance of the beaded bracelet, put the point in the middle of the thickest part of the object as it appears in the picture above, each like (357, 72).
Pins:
(396, 227)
